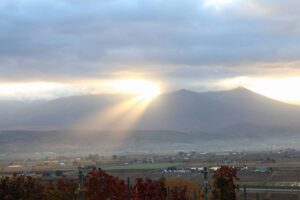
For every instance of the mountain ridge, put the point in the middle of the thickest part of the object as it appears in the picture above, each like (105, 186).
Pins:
(182, 119)
(199, 107)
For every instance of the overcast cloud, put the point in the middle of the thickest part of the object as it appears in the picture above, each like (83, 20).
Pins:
(173, 39)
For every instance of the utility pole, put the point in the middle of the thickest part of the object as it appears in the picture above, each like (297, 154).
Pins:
(245, 192)
(128, 188)
(80, 176)
(205, 173)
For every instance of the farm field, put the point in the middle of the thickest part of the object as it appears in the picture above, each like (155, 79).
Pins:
(141, 166)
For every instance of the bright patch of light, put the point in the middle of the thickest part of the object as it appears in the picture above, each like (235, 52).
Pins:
(122, 116)
(282, 89)
(142, 88)
(33, 90)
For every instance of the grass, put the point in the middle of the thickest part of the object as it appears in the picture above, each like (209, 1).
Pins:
(142, 166)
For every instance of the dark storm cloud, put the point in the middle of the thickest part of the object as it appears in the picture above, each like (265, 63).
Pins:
(82, 39)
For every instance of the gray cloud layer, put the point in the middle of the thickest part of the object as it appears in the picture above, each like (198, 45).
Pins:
(94, 38)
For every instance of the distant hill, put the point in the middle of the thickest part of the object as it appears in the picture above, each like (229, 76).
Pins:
(184, 110)
(181, 119)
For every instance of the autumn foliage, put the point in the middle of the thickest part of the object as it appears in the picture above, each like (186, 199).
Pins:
(149, 190)
(98, 185)
(28, 188)
(224, 185)
(190, 188)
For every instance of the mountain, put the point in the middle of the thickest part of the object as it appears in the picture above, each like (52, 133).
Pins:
(183, 119)
(189, 111)
(181, 110)
(54, 114)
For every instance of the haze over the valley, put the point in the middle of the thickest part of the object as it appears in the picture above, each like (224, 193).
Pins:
(237, 119)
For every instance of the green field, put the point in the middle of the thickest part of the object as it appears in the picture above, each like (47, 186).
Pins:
(142, 166)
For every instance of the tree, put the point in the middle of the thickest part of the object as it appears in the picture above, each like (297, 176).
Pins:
(224, 185)
(100, 185)
(149, 190)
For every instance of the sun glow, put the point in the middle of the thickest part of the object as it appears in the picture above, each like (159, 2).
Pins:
(283, 89)
(34, 90)
(123, 115)
(146, 90)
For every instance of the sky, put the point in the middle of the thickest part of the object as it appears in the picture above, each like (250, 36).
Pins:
(54, 48)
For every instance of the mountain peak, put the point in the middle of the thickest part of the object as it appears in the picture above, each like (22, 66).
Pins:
(241, 89)
(184, 92)
(238, 89)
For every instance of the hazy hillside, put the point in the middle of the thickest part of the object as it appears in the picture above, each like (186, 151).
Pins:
(178, 111)
(54, 114)
(213, 111)
(235, 119)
